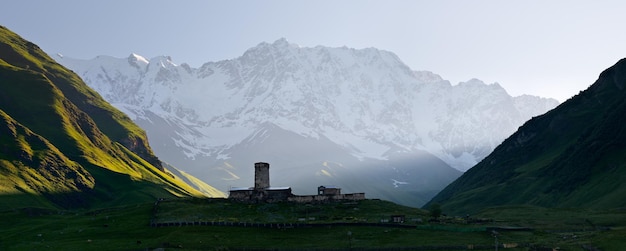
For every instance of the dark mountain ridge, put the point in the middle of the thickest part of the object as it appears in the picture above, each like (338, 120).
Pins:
(572, 156)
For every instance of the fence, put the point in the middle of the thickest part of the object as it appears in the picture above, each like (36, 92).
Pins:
(272, 225)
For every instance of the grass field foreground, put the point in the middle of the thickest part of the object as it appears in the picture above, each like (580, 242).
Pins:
(128, 228)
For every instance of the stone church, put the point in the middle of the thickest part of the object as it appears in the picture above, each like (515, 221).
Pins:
(263, 192)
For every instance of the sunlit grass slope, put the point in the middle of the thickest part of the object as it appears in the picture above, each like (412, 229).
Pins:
(197, 183)
(63, 145)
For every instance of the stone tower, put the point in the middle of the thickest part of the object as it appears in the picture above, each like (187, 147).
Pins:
(261, 175)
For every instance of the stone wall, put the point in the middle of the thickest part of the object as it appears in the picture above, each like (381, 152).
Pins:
(267, 195)
(326, 198)
(241, 195)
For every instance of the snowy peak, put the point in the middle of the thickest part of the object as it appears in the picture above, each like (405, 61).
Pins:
(479, 84)
(163, 61)
(283, 43)
(138, 62)
(283, 54)
(366, 100)
(473, 82)
(428, 77)
(527, 105)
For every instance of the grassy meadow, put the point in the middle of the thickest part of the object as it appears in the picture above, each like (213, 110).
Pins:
(128, 228)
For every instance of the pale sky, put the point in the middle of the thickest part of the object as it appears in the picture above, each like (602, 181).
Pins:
(545, 48)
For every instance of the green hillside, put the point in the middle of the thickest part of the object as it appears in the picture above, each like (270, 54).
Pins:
(572, 156)
(62, 145)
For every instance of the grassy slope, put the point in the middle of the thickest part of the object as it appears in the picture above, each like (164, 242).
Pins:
(572, 156)
(30, 164)
(34, 95)
(197, 183)
(115, 124)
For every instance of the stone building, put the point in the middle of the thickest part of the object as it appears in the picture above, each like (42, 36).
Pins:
(330, 190)
(261, 176)
(263, 192)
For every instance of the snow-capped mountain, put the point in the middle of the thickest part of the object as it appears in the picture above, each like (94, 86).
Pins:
(317, 114)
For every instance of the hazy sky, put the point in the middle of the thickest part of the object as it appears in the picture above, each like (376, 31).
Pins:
(546, 48)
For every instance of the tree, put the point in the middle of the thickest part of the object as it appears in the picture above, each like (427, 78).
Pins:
(435, 210)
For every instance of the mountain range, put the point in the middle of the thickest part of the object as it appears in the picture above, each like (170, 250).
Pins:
(571, 157)
(357, 118)
(63, 146)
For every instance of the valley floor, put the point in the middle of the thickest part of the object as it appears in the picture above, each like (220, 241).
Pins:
(336, 226)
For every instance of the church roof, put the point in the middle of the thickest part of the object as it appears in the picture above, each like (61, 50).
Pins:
(252, 188)
(241, 188)
(278, 188)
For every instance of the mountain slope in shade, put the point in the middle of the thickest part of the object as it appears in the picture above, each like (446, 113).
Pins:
(572, 156)
(29, 164)
(358, 108)
(62, 145)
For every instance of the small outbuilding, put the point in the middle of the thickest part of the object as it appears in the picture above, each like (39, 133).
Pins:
(398, 218)
(328, 190)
